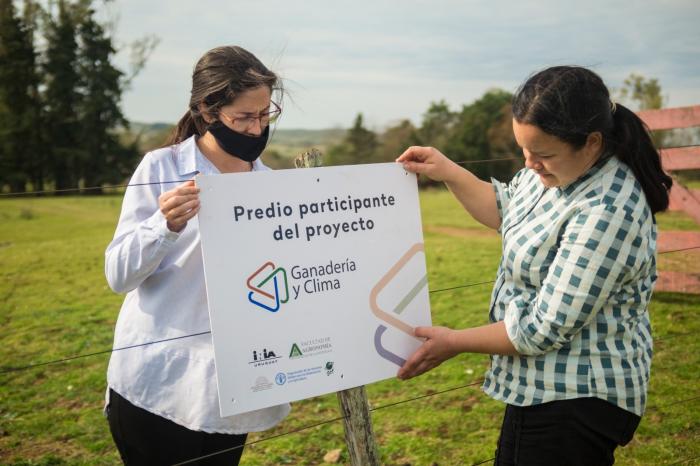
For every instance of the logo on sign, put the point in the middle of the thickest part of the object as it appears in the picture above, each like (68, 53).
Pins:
(295, 352)
(268, 287)
(264, 357)
(280, 378)
(392, 317)
(329, 368)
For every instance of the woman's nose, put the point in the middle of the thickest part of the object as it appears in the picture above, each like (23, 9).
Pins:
(255, 128)
(532, 162)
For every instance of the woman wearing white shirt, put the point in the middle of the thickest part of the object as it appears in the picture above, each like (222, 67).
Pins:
(162, 402)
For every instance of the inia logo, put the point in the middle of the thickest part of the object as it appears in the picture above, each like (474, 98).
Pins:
(268, 287)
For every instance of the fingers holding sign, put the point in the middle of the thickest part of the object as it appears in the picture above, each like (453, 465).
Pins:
(179, 205)
(428, 161)
(437, 348)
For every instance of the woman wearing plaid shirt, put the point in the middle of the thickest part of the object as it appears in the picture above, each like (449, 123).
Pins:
(569, 338)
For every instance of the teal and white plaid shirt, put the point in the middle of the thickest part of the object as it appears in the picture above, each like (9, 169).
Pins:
(573, 288)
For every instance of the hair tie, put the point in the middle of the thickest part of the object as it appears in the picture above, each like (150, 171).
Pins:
(613, 107)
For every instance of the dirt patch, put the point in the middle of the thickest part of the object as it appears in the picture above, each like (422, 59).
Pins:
(36, 449)
(462, 232)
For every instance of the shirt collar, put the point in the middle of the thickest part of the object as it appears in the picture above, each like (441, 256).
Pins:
(597, 167)
(186, 157)
(190, 160)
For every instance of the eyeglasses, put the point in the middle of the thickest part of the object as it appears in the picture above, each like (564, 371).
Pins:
(245, 122)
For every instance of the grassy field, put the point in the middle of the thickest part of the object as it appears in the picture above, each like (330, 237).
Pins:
(54, 302)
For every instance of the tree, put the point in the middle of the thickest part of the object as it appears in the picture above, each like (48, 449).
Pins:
(61, 97)
(437, 125)
(644, 94)
(59, 122)
(359, 146)
(397, 139)
(99, 112)
(19, 106)
(481, 133)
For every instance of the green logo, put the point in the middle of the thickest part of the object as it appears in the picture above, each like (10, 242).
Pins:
(295, 352)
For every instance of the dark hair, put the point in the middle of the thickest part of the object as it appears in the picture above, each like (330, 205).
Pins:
(218, 78)
(571, 102)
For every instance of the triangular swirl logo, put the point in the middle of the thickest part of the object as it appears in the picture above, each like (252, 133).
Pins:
(268, 287)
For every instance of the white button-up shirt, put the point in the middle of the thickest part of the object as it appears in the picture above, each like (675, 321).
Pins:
(162, 273)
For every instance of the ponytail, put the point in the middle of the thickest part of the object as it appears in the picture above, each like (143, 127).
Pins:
(220, 75)
(188, 125)
(571, 102)
(632, 144)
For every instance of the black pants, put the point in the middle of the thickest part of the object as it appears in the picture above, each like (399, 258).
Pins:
(583, 431)
(144, 438)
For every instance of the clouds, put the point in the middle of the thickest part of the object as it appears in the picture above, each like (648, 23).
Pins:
(389, 59)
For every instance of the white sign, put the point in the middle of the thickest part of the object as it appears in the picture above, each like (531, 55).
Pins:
(315, 279)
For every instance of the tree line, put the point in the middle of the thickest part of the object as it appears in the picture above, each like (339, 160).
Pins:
(61, 124)
(479, 131)
(60, 95)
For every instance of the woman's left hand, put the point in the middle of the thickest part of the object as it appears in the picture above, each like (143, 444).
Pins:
(439, 346)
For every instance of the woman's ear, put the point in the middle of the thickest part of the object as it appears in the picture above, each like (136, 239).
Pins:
(594, 143)
(204, 111)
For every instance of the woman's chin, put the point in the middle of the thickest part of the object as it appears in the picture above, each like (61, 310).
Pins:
(548, 180)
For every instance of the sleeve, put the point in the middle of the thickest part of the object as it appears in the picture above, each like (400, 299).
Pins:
(598, 253)
(142, 238)
(505, 191)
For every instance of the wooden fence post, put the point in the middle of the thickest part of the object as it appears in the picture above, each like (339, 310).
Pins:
(357, 420)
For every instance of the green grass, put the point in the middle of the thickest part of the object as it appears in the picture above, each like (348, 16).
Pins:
(54, 302)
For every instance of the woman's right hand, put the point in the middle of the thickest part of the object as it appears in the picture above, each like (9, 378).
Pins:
(430, 162)
(179, 205)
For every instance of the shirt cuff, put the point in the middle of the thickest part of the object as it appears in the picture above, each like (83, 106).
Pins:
(511, 320)
(158, 224)
(501, 197)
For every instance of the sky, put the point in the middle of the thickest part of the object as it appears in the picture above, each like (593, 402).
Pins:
(391, 59)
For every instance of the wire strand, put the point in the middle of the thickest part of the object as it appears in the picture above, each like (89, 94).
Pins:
(265, 439)
(88, 188)
(327, 421)
(504, 159)
(696, 397)
(95, 188)
(461, 286)
(684, 461)
(680, 250)
(428, 395)
(484, 462)
(390, 405)
(6, 370)
(115, 186)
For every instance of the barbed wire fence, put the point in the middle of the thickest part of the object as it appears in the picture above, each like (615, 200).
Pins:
(659, 339)
(131, 185)
(6, 370)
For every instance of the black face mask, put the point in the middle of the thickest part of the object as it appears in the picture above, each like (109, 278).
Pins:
(239, 145)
